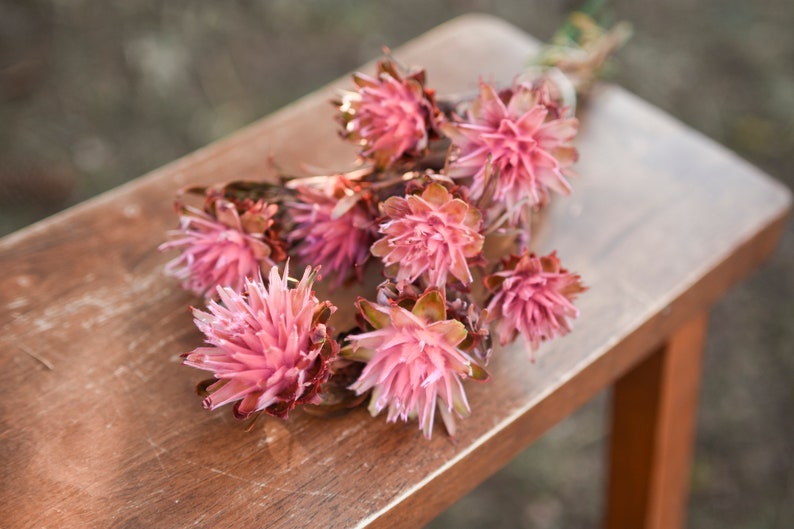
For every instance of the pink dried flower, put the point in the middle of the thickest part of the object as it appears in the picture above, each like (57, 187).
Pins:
(414, 363)
(520, 140)
(270, 348)
(389, 116)
(225, 248)
(532, 296)
(431, 234)
(460, 306)
(334, 227)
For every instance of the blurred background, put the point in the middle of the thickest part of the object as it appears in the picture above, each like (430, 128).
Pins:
(94, 93)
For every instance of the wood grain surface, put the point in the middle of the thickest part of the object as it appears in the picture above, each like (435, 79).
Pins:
(99, 423)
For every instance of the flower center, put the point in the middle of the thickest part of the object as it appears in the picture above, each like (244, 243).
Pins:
(509, 142)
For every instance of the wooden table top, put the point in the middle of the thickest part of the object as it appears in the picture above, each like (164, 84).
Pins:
(100, 423)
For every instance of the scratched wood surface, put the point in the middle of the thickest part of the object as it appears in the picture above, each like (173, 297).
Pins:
(99, 424)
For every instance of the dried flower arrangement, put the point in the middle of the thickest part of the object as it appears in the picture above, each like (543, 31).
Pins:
(435, 179)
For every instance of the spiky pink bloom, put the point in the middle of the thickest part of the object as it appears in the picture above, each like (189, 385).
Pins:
(334, 228)
(432, 234)
(270, 348)
(388, 116)
(527, 146)
(224, 249)
(460, 306)
(532, 296)
(414, 364)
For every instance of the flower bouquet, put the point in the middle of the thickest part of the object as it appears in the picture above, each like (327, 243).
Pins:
(436, 178)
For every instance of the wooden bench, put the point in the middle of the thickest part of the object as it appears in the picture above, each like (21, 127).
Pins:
(101, 426)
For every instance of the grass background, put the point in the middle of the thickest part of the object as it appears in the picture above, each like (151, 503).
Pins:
(94, 93)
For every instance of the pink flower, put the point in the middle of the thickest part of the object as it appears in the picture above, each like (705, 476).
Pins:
(225, 248)
(335, 228)
(432, 234)
(528, 148)
(388, 117)
(270, 348)
(460, 306)
(414, 363)
(532, 296)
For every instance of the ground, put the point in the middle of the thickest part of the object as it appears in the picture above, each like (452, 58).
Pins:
(94, 93)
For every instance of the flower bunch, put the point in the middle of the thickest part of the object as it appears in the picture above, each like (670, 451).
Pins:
(436, 178)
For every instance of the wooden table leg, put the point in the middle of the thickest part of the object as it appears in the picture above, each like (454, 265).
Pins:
(654, 411)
